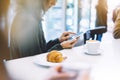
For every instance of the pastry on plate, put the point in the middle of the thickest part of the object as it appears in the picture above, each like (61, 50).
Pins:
(55, 56)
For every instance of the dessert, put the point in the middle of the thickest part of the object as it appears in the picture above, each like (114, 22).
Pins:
(55, 56)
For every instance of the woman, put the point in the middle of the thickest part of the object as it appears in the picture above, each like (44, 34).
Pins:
(27, 37)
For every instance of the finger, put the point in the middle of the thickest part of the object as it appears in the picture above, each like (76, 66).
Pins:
(66, 37)
(73, 41)
(68, 33)
(71, 33)
(63, 76)
(78, 37)
(58, 68)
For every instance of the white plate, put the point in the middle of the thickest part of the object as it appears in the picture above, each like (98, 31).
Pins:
(42, 61)
(98, 53)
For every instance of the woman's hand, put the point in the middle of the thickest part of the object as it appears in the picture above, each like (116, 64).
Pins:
(59, 74)
(69, 43)
(65, 36)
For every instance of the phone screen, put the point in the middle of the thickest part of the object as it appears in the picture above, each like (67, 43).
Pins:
(75, 36)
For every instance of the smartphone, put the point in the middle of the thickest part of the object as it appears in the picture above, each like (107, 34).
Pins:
(74, 36)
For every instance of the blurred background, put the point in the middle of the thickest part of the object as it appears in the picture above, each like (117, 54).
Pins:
(66, 15)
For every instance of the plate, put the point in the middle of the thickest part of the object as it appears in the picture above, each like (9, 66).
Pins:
(95, 54)
(42, 61)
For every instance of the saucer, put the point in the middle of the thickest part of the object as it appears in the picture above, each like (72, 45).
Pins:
(95, 54)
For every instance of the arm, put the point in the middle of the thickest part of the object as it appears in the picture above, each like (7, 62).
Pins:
(54, 45)
(64, 45)
(62, 42)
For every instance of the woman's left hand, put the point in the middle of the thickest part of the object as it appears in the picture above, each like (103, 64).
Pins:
(65, 36)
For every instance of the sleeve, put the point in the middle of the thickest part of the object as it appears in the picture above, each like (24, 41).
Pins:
(54, 45)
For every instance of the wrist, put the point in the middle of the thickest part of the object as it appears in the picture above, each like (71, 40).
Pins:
(60, 40)
(62, 45)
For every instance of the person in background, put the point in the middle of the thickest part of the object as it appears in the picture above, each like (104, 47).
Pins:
(101, 16)
(27, 36)
(116, 20)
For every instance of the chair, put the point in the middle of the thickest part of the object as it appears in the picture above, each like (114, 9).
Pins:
(94, 33)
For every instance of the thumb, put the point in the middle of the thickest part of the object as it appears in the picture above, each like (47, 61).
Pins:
(73, 41)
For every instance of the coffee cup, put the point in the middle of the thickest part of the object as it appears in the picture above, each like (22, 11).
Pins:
(92, 46)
